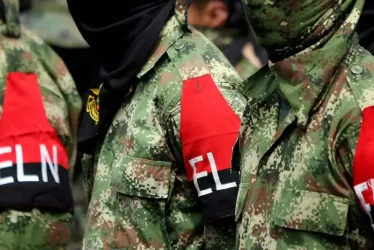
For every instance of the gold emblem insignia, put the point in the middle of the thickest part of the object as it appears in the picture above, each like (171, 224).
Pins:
(92, 106)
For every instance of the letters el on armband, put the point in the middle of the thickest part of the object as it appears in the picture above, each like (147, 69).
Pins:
(213, 170)
(209, 132)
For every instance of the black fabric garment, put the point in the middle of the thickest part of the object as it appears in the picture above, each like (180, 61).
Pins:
(122, 35)
(365, 27)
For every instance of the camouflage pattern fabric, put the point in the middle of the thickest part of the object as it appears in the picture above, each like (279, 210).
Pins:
(51, 20)
(24, 52)
(141, 198)
(301, 128)
(35, 230)
(224, 37)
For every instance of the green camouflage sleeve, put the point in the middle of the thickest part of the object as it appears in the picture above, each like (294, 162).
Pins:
(220, 234)
(44, 92)
(359, 228)
(352, 149)
(60, 75)
(38, 228)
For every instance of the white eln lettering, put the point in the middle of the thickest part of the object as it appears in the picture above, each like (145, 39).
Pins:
(6, 164)
(21, 177)
(219, 185)
(199, 175)
(46, 159)
(359, 189)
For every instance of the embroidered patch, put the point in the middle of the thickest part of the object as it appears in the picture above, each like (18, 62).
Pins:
(93, 105)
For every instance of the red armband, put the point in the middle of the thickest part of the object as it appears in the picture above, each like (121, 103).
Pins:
(209, 132)
(33, 161)
(363, 166)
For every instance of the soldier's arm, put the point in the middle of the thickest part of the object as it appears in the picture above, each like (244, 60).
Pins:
(361, 143)
(355, 153)
(202, 136)
(60, 74)
(354, 145)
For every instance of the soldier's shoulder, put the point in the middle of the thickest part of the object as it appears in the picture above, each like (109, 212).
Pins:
(194, 55)
(20, 54)
(30, 54)
(360, 77)
(355, 95)
(220, 67)
(191, 56)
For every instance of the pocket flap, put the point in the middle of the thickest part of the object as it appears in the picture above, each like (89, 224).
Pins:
(311, 211)
(143, 178)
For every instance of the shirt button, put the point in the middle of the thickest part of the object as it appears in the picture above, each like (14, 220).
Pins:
(179, 45)
(356, 69)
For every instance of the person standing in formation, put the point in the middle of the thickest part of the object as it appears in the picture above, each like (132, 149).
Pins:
(52, 22)
(39, 107)
(158, 129)
(307, 171)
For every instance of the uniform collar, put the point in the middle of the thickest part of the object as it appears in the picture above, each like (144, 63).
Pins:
(169, 35)
(304, 78)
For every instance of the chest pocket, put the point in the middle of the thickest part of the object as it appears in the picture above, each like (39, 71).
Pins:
(310, 211)
(143, 178)
(141, 188)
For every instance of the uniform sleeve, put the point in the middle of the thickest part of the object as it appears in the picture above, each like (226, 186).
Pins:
(66, 84)
(202, 139)
(355, 154)
(74, 104)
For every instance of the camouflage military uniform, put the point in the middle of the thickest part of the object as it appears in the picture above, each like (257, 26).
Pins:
(301, 128)
(51, 21)
(37, 228)
(141, 198)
